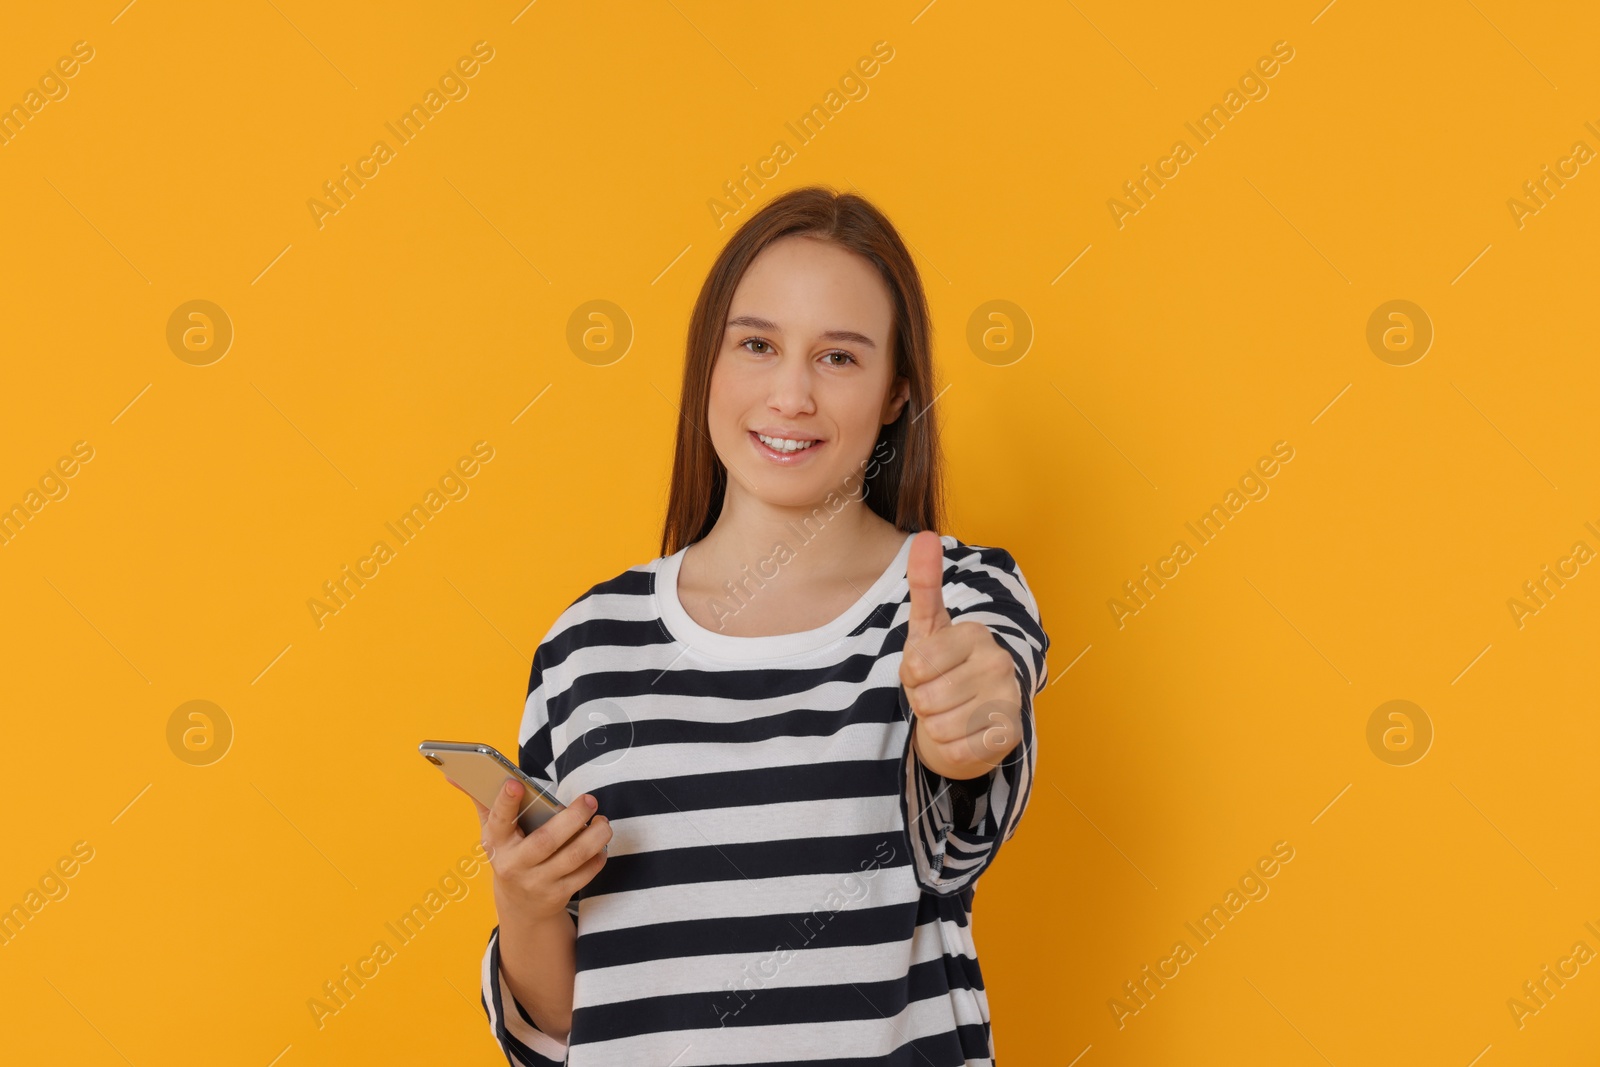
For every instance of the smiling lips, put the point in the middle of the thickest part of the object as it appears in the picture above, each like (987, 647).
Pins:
(785, 450)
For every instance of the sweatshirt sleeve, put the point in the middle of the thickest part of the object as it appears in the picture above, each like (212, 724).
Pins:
(957, 827)
(523, 1043)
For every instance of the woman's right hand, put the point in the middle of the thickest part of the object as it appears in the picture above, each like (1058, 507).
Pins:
(537, 874)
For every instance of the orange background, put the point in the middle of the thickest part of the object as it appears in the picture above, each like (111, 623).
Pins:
(1229, 313)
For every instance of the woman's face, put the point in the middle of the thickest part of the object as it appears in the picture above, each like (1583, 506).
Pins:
(807, 356)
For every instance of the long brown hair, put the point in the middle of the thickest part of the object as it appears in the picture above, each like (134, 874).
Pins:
(905, 473)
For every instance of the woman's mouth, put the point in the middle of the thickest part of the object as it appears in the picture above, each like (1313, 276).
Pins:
(783, 450)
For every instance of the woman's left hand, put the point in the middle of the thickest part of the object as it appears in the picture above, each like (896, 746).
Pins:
(961, 683)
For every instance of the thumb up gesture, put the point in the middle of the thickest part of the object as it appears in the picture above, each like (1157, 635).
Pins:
(960, 681)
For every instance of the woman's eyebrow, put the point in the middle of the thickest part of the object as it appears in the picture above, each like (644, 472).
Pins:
(754, 322)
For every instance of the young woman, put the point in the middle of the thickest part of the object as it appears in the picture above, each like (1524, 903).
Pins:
(791, 743)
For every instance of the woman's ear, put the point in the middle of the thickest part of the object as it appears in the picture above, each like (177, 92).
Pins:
(895, 402)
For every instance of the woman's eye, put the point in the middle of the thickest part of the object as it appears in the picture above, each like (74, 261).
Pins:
(766, 347)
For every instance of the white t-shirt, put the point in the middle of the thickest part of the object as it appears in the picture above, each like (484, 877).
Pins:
(785, 881)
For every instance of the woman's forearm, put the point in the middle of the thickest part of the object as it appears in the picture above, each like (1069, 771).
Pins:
(539, 962)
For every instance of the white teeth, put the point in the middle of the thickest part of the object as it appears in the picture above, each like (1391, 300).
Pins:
(782, 444)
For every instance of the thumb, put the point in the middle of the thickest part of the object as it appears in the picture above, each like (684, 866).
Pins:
(925, 576)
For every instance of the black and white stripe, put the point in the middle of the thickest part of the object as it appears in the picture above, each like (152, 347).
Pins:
(786, 882)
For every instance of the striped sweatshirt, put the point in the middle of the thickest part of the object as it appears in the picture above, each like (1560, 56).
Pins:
(786, 882)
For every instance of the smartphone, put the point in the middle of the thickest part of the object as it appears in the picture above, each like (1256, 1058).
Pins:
(481, 771)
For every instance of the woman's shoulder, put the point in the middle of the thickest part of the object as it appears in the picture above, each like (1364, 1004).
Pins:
(981, 560)
(625, 597)
(972, 554)
(985, 583)
(978, 576)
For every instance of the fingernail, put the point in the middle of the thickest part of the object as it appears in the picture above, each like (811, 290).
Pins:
(511, 787)
(591, 801)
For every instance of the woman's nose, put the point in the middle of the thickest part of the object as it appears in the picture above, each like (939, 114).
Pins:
(791, 385)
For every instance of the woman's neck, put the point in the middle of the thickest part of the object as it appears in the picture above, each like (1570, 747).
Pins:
(818, 545)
